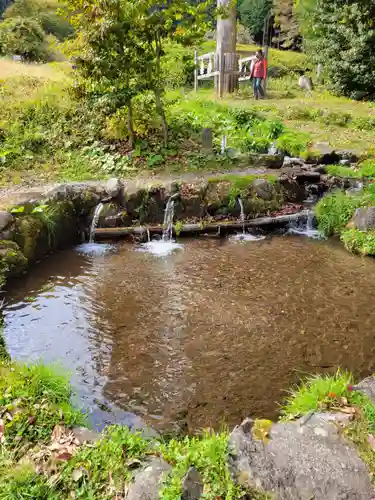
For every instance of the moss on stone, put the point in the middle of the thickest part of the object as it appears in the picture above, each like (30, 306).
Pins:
(29, 229)
(12, 260)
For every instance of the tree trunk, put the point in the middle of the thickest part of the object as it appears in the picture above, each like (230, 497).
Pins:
(130, 124)
(226, 37)
(157, 91)
(161, 113)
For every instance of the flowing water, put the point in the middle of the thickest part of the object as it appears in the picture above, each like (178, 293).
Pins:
(200, 337)
(244, 236)
(167, 244)
(95, 220)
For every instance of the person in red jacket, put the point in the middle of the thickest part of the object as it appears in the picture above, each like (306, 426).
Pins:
(258, 74)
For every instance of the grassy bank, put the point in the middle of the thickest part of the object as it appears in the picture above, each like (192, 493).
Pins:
(41, 459)
(335, 211)
(48, 132)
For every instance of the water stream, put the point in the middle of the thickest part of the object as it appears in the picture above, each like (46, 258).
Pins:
(166, 244)
(245, 236)
(204, 336)
(95, 221)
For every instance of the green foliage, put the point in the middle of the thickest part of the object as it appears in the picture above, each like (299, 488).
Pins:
(24, 37)
(341, 171)
(343, 37)
(360, 242)
(252, 15)
(39, 398)
(113, 456)
(334, 211)
(208, 453)
(288, 23)
(294, 143)
(45, 12)
(367, 168)
(317, 392)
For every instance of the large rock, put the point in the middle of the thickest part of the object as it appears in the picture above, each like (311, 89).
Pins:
(303, 460)
(147, 482)
(263, 189)
(363, 219)
(266, 160)
(115, 189)
(192, 486)
(367, 387)
(6, 219)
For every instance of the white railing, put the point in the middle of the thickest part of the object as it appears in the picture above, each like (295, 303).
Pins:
(208, 66)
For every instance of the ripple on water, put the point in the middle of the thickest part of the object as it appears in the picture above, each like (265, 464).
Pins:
(246, 237)
(159, 247)
(94, 248)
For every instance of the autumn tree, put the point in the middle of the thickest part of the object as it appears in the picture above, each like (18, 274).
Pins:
(123, 42)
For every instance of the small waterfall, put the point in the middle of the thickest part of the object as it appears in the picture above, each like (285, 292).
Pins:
(95, 221)
(148, 235)
(242, 214)
(166, 244)
(306, 227)
(244, 236)
(168, 220)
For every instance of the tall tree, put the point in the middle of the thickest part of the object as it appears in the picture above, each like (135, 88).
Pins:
(253, 14)
(123, 44)
(343, 39)
(288, 23)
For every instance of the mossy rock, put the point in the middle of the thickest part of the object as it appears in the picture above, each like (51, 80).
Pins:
(147, 205)
(12, 261)
(29, 232)
(218, 197)
(191, 202)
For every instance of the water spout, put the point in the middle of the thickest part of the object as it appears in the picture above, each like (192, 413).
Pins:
(95, 221)
(168, 220)
(242, 214)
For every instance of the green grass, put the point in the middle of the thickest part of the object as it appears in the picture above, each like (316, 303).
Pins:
(359, 242)
(334, 211)
(208, 453)
(38, 397)
(341, 171)
(315, 393)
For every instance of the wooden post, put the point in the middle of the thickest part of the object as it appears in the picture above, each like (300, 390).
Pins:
(226, 32)
(196, 71)
(266, 77)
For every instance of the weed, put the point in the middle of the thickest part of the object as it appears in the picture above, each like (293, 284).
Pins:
(38, 397)
(341, 171)
(178, 227)
(361, 242)
(208, 453)
(314, 393)
(105, 468)
(335, 210)
(294, 143)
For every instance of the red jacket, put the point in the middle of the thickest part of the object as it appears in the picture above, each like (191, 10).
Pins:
(259, 69)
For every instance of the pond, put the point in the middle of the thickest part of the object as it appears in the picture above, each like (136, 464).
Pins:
(207, 335)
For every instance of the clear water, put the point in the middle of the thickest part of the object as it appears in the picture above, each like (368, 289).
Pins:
(200, 337)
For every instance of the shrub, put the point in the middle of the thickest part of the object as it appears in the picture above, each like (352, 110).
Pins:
(343, 40)
(359, 242)
(24, 37)
(367, 168)
(294, 143)
(334, 211)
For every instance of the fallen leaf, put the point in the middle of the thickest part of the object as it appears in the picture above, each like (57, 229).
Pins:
(343, 401)
(31, 420)
(65, 456)
(57, 432)
(77, 474)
